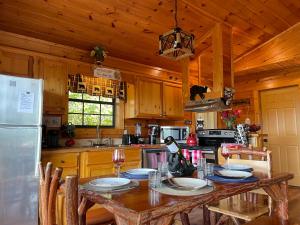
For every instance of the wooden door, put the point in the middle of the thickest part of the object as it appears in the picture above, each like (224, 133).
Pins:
(281, 121)
(149, 98)
(55, 78)
(173, 101)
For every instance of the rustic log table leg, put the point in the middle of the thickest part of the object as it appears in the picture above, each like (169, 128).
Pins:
(165, 220)
(206, 216)
(184, 218)
(278, 193)
(85, 204)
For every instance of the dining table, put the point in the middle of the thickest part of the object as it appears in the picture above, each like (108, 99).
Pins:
(142, 205)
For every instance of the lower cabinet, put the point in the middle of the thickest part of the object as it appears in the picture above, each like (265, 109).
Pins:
(99, 163)
(69, 162)
(88, 164)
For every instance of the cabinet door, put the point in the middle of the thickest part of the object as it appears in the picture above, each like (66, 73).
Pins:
(15, 64)
(100, 170)
(130, 165)
(68, 161)
(149, 98)
(54, 74)
(173, 101)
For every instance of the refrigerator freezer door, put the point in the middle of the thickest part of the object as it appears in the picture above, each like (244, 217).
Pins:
(19, 157)
(21, 101)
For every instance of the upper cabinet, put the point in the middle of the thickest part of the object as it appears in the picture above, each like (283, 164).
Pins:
(55, 78)
(16, 64)
(154, 99)
(149, 94)
(172, 101)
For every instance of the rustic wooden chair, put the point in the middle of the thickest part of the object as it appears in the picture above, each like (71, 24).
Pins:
(49, 185)
(250, 205)
(48, 191)
(268, 220)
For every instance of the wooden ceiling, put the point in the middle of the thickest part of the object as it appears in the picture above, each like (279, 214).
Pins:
(129, 29)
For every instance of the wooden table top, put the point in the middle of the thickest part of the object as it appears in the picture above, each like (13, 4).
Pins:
(144, 201)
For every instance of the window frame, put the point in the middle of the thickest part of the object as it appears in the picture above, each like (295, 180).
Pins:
(113, 104)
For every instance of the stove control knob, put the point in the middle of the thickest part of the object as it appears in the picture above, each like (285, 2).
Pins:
(225, 133)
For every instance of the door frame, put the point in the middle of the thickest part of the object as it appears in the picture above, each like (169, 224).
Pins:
(257, 99)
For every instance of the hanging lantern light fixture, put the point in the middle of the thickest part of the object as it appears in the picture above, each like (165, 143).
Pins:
(176, 44)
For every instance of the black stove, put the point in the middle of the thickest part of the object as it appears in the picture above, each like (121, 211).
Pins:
(213, 138)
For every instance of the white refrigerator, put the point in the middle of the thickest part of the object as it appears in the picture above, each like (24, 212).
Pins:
(21, 102)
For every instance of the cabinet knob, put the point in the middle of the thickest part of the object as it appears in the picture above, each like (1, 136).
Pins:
(62, 161)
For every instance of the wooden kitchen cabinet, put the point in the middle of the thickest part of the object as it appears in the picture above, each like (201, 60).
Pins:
(172, 101)
(98, 163)
(154, 99)
(69, 162)
(149, 94)
(55, 78)
(16, 64)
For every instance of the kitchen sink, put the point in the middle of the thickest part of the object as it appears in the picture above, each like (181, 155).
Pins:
(104, 145)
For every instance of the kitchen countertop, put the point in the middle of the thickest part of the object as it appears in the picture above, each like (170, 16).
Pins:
(78, 149)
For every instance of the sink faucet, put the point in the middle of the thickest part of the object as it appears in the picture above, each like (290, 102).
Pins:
(98, 134)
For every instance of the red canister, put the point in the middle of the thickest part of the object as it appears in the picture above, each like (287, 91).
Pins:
(191, 140)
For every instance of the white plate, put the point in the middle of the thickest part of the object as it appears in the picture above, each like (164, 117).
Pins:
(234, 173)
(188, 182)
(141, 171)
(110, 182)
(237, 167)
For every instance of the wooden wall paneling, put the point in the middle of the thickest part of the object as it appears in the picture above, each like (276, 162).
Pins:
(26, 45)
(16, 64)
(252, 84)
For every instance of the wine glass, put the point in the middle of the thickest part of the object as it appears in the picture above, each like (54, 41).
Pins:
(225, 153)
(118, 158)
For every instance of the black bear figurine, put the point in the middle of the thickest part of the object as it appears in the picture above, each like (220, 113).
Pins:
(197, 90)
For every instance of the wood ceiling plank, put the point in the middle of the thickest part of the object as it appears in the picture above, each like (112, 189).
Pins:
(264, 15)
(283, 49)
(280, 9)
(84, 24)
(227, 14)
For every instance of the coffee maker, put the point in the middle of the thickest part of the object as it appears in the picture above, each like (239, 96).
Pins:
(153, 133)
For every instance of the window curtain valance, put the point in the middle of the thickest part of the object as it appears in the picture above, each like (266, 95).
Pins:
(97, 86)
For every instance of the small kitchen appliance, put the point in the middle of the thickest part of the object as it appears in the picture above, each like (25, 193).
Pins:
(192, 140)
(179, 133)
(153, 133)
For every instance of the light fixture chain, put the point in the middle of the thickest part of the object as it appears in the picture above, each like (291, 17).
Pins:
(176, 22)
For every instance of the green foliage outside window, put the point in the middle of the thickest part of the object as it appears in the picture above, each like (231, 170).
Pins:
(89, 111)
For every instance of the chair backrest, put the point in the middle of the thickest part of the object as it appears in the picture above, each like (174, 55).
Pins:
(71, 193)
(48, 191)
(259, 160)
